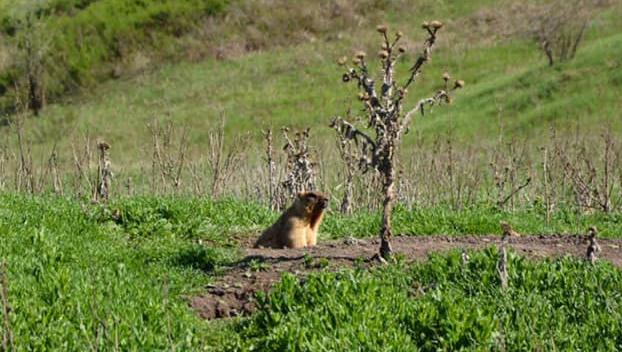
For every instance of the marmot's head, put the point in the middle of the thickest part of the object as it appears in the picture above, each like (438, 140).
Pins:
(311, 202)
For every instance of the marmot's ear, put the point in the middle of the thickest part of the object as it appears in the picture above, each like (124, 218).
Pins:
(301, 194)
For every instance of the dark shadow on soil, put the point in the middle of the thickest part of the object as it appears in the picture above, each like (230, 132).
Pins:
(202, 258)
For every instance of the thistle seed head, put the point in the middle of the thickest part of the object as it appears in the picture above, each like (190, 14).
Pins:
(103, 145)
(436, 24)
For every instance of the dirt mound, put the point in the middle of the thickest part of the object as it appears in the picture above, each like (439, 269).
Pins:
(233, 294)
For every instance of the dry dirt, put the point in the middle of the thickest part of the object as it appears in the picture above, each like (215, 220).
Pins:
(233, 293)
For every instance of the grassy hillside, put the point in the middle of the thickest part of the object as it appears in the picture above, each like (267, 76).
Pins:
(509, 88)
(72, 44)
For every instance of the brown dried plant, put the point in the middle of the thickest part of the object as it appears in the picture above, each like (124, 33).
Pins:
(223, 160)
(386, 119)
(52, 169)
(168, 158)
(507, 168)
(300, 173)
(5, 158)
(502, 264)
(104, 174)
(272, 176)
(593, 186)
(85, 180)
(25, 175)
(559, 27)
(32, 52)
(348, 154)
(556, 26)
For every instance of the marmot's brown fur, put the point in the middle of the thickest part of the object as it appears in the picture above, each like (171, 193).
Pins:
(298, 225)
(508, 231)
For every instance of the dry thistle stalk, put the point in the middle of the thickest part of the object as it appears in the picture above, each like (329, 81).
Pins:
(506, 174)
(104, 173)
(25, 174)
(502, 265)
(386, 120)
(82, 162)
(33, 47)
(4, 161)
(349, 156)
(223, 160)
(548, 204)
(300, 175)
(272, 181)
(593, 186)
(593, 246)
(167, 165)
(53, 167)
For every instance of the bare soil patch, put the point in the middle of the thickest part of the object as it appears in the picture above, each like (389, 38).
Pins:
(233, 293)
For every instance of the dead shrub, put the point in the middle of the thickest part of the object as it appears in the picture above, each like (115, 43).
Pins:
(387, 122)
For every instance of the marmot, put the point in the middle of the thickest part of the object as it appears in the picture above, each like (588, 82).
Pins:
(298, 225)
(508, 231)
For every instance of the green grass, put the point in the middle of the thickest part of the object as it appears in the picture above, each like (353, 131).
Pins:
(565, 304)
(82, 40)
(509, 89)
(81, 276)
(76, 283)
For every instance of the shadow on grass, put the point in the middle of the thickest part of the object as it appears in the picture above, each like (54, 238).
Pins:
(203, 258)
